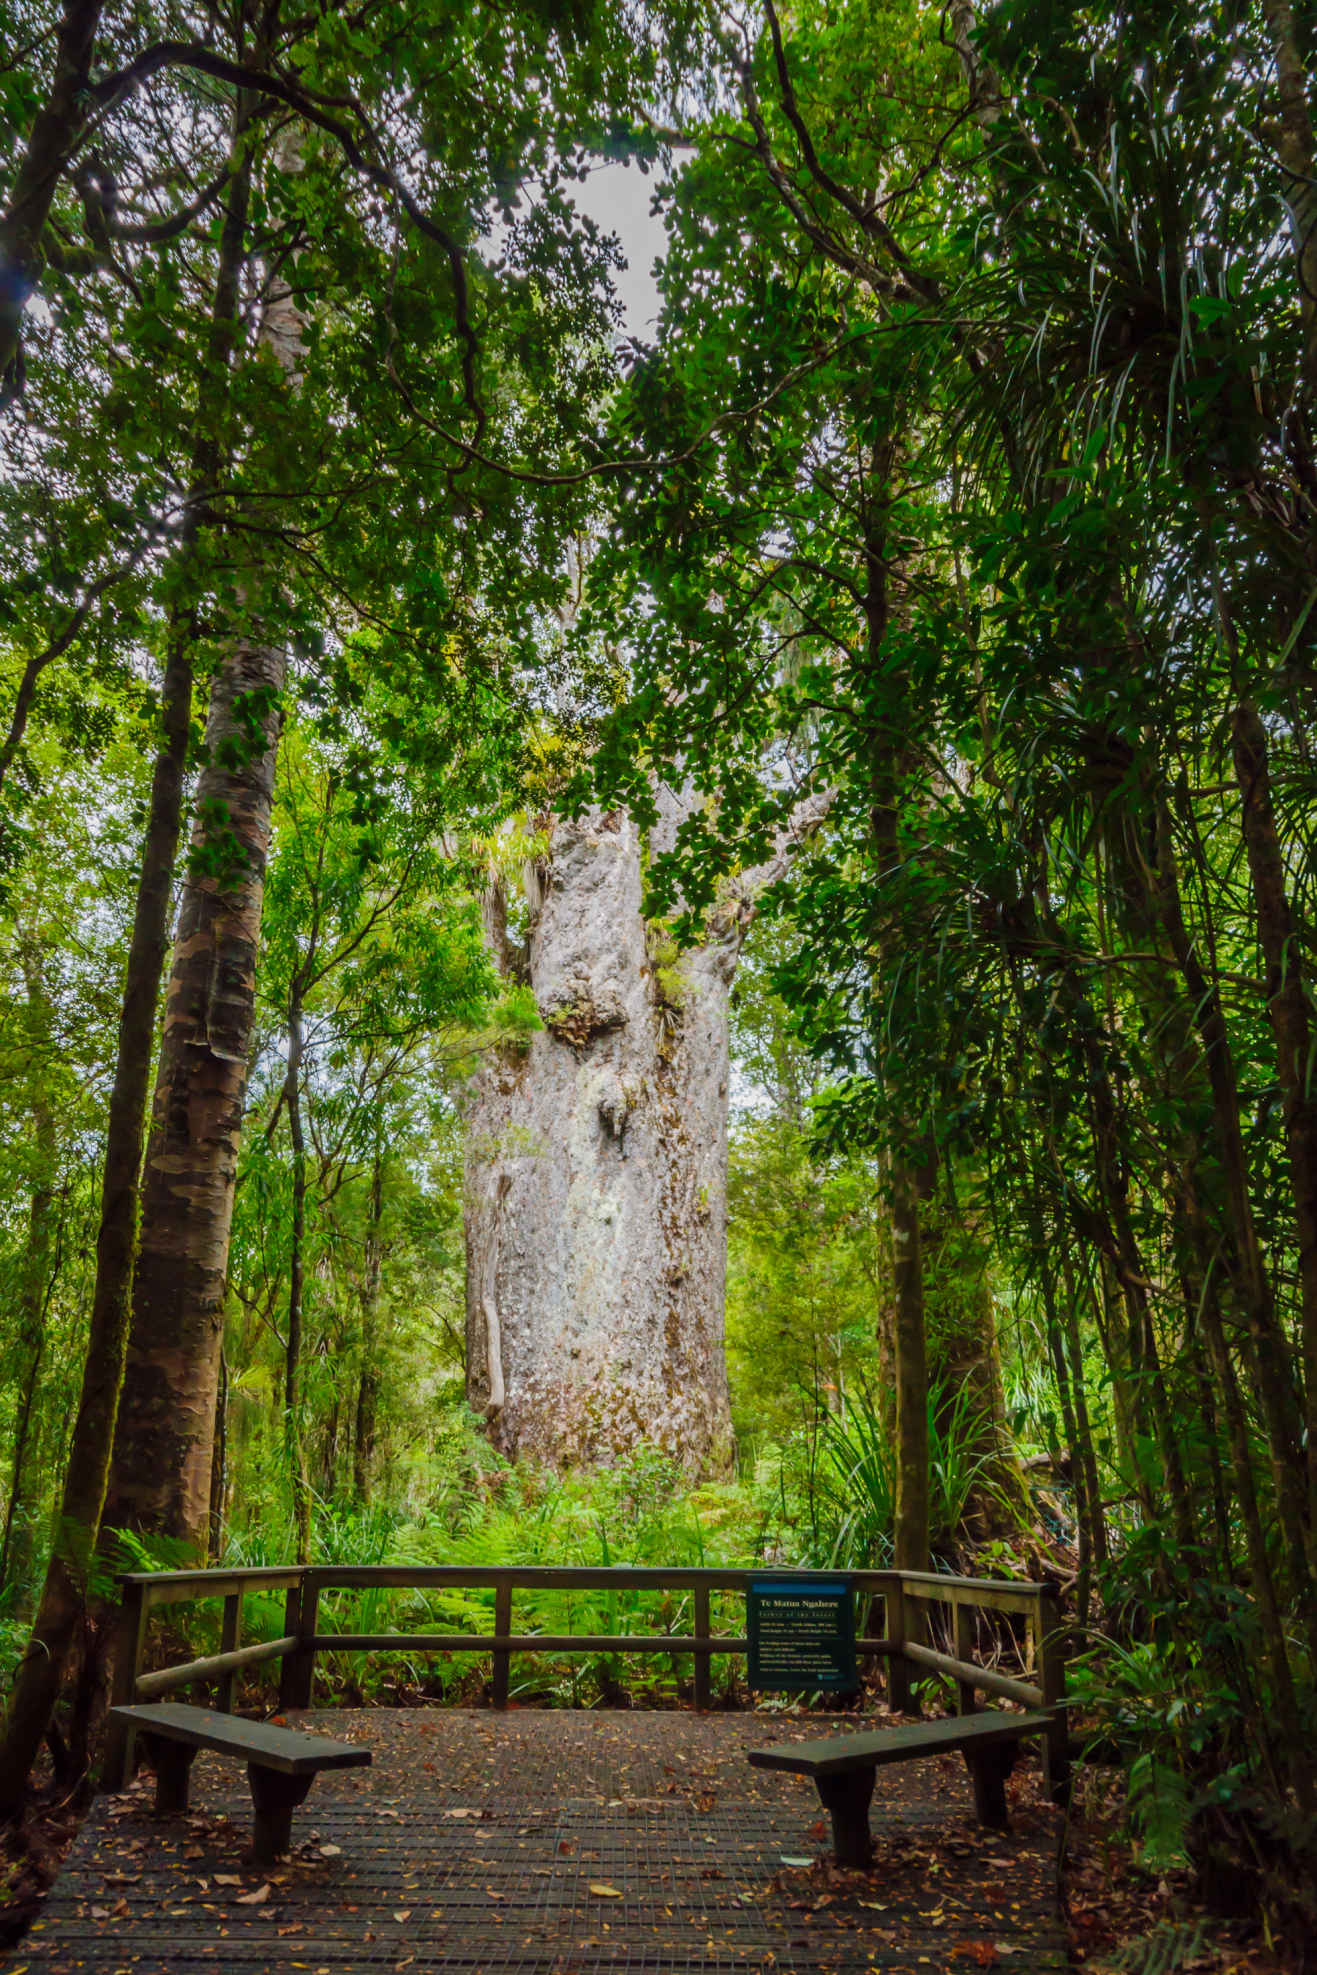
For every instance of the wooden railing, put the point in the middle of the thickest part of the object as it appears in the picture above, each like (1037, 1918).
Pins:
(902, 1643)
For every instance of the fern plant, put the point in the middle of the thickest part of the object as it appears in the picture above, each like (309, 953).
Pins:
(856, 1481)
(1159, 1804)
(1170, 1945)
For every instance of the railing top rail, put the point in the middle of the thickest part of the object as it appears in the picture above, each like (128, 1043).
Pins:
(175, 1585)
(970, 1583)
(212, 1582)
(584, 1577)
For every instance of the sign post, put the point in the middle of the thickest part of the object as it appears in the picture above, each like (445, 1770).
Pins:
(801, 1635)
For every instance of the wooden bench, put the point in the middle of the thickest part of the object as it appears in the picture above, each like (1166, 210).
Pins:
(282, 1763)
(844, 1766)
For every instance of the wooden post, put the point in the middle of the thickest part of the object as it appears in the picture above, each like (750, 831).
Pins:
(172, 1763)
(134, 1608)
(847, 1798)
(1051, 1653)
(703, 1668)
(963, 1615)
(502, 1657)
(230, 1639)
(898, 1666)
(298, 1671)
(274, 1799)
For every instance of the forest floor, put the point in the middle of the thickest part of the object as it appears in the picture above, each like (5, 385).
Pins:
(571, 1841)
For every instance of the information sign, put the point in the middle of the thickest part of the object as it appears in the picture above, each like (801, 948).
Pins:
(801, 1635)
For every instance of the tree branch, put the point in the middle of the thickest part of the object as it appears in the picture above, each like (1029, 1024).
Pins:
(34, 668)
(309, 106)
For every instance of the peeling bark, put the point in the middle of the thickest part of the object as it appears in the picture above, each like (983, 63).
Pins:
(160, 1478)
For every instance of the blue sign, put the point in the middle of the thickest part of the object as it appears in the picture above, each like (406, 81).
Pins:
(801, 1635)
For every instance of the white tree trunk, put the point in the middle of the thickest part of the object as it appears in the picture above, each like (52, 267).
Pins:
(597, 1179)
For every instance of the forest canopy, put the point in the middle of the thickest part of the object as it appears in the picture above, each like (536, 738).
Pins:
(907, 656)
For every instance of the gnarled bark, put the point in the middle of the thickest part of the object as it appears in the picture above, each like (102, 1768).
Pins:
(597, 1180)
(597, 1166)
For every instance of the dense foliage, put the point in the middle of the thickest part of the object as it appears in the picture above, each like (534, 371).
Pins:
(966, 491)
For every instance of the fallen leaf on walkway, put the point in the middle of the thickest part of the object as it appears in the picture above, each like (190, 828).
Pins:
(604, 1892)
(258, 1898)
(331, 1851)
(819, 1830)
(404, 1913)
(100, 1913)
(984, 1953)
(493, 1895)
(227, 1879)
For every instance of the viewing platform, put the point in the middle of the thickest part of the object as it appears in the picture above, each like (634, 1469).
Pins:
(558, 1841)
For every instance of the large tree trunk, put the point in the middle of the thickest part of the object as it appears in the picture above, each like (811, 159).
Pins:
(1288, 1007)
(911, 1533)
(368, 1387)
(37, 1681)
(16, 1547)
(54, 130)
(297, 1475)
(160, 1477)
(965, 1351)
(21, 1511)
(597, 1179)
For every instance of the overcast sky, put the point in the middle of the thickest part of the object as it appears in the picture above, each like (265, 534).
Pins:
(617, 197)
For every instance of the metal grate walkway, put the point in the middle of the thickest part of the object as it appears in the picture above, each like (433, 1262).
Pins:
(556, 1843)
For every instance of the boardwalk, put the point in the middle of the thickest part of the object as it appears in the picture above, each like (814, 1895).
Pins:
(554, 1842)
